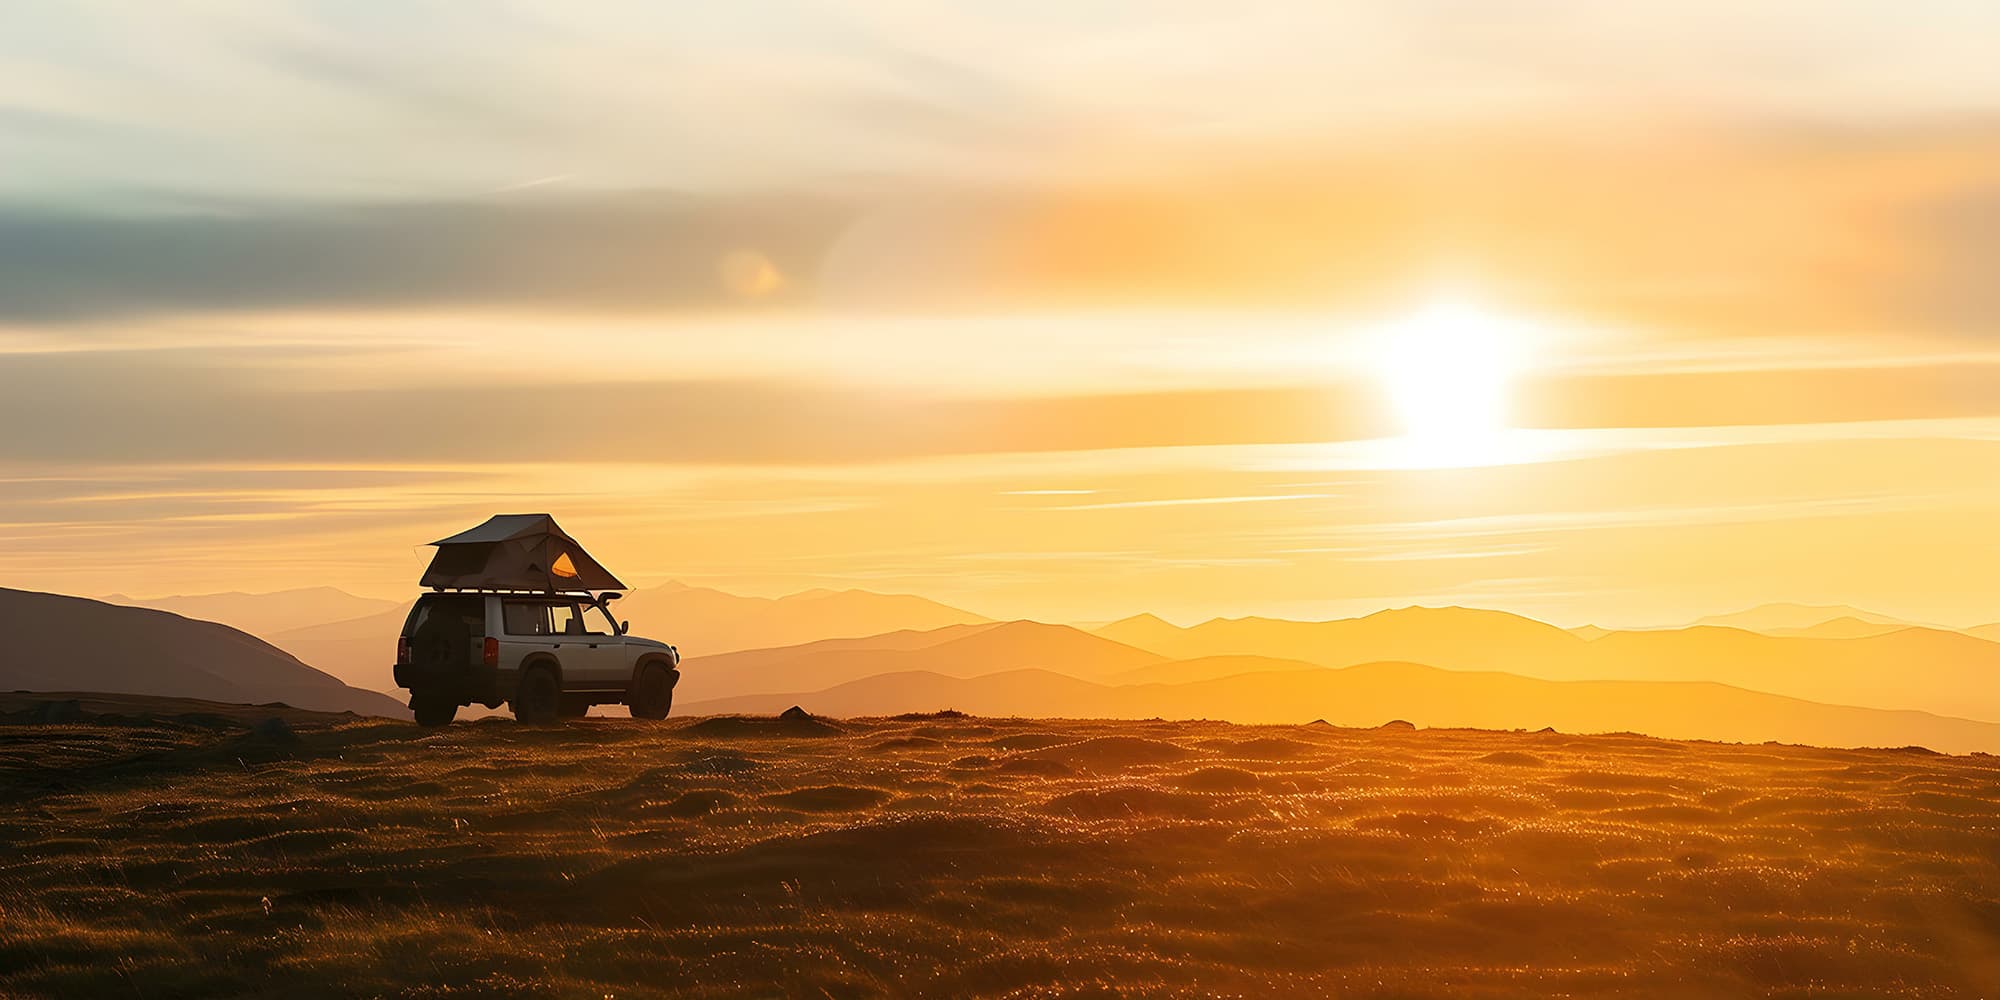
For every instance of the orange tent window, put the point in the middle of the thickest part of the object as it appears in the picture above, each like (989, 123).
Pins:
(563, 567)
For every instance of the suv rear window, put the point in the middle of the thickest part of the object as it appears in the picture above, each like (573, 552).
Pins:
(470, 610)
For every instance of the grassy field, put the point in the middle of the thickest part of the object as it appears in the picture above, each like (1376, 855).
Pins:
(199, 853)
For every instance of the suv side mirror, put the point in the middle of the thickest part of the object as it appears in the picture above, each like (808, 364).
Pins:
(624, 627)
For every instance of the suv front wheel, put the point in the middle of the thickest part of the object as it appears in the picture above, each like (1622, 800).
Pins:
(538, 697)
(653, 692)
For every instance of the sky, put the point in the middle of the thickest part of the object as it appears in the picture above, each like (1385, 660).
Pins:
(1604, 313)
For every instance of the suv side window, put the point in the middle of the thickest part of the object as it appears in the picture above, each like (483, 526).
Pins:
(566, 620)
(525, 617)
(601, 619)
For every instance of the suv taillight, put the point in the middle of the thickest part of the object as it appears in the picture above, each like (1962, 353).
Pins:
(490, 653)
(402, 651)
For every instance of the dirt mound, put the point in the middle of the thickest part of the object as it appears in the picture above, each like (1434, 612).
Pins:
(274, 730)
(1031, 767)
(1396, 724)
(1263, 748)
(1216, 779)
(1130, 801)
(827, 798)
(908, 743)
(1112, 753)
(32, 707)
(1411, 824)
(700, 803)
(48, 713)
(1030, 741)
(793, 722)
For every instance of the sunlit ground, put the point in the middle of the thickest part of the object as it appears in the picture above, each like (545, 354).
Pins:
(931, 857)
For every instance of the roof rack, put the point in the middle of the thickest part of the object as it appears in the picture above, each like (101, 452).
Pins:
(512, 591)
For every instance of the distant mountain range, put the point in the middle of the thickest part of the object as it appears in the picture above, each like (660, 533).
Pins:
(57, 643)
(700, 621)
(1783, 671)
(1798, 617)
(1847, 627)
(1914, 668)
(955, 651)
(703, 622)
(1375, 693)
(265, 614)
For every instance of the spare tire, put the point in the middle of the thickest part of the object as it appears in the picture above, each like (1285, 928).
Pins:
(432, 711)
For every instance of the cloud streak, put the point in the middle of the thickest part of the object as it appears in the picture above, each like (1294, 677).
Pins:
(315, 403)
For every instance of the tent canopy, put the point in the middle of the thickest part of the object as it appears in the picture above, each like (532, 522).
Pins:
(516, 552)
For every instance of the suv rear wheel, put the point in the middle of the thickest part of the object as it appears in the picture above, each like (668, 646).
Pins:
(432, 711)
(653, 692)
(538, 697)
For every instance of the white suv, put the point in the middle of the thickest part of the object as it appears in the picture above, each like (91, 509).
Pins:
(548, 656)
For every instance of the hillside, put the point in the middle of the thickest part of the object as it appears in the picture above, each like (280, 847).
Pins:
(975, 857)
(82, 707)
(57, 643)
(1371, 694)
(359, 651)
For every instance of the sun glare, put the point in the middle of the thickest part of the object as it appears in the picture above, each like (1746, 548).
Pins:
(1447, 371)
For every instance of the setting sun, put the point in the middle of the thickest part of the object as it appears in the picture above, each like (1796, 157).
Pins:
(1447, 369)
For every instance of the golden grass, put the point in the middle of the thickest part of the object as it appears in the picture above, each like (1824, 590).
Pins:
(951, 857)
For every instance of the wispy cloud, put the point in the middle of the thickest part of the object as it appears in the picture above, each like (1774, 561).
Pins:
(1429, 554)
(1571, 521)
(535, 183)
(1193, 501)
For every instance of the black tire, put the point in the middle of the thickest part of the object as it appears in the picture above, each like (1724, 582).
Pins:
(652, 694)
(433, 712)
(538, 698)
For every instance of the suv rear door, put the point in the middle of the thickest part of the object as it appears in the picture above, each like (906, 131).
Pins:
(553, 624)
(443, 634)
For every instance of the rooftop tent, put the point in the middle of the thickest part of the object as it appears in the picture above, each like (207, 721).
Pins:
(516, 552)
